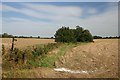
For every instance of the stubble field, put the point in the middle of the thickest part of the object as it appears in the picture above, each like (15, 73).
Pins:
(91, 60)
(24, 42)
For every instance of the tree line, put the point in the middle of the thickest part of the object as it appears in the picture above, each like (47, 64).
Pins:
(65, 34)
(110, 37)
(6, 35)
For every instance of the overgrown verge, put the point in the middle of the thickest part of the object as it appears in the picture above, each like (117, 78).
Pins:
(26, 59)
(33, 57)
(49, 61)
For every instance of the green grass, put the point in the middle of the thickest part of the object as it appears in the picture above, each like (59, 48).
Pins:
(49, 61)
(43, 61)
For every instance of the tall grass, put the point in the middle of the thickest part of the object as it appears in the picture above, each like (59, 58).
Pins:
(29, 57)
(36, 56)
(49, 61)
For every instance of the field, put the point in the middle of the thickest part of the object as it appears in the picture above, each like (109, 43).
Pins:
(24, 42)
(98, 59)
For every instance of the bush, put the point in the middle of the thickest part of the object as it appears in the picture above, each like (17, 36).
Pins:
(37, 51)
(50, 46)
(65, 34)
(16, 55)
(41, 50)
(28, 58)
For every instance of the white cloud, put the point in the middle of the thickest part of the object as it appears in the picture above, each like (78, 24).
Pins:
(8, 8)
(47, 11)
(59, 10)
(105, 24)
(92, 11)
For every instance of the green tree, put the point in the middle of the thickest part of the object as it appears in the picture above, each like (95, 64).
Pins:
(65, 34)
(38, 36)
(78, 33)
(86, 36)
(4, 35)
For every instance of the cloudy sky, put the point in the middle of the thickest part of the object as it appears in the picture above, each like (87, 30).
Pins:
(44, 18)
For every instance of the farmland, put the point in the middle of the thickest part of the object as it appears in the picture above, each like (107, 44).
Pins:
(91, 60)
(24, 42)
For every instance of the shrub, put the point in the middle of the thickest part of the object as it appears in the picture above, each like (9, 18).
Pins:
(37, 51)
(65, 34)
(28, 58)
(17, 55)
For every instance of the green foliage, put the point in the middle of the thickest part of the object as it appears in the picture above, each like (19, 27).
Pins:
(38, 36)
(78, 33)
(28, 58)
(17, 55)
(38, 51)
(86, 36)
(50, 46)
(49, 61)
(65, 34)
(97, 37)
(5, 35)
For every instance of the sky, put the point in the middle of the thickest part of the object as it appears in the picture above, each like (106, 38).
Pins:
(44, 18)
(59, 0)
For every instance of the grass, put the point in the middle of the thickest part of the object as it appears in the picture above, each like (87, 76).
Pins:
(49, 61)
(43, 61)
(25, 73)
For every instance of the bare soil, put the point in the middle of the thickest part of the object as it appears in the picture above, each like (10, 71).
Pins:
(100, 59)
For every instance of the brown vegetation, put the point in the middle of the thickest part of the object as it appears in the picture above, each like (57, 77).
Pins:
(100, 59)
(24, 42)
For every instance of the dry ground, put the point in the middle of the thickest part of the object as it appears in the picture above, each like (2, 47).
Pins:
(99, 59)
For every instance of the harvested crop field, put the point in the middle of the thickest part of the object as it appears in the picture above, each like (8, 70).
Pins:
(24, 42)
(98, 59)
(89, 60)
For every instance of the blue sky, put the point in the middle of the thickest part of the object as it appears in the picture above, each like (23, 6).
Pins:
(44, 18)
(59, 0)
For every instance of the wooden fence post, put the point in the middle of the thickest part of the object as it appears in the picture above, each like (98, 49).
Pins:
(13, 39)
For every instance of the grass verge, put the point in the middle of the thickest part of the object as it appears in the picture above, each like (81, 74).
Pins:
(44, 61)
(49, 61)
